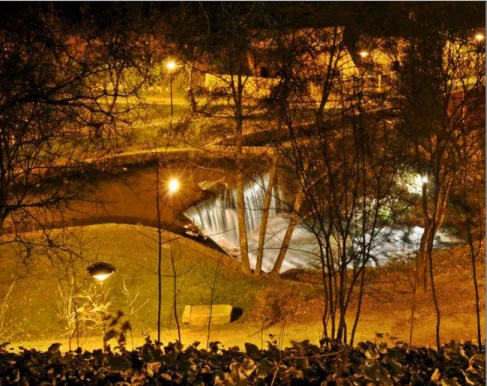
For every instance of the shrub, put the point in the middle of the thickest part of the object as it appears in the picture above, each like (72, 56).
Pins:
(301, 364)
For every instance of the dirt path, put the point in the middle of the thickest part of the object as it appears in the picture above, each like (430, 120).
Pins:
(457, 327)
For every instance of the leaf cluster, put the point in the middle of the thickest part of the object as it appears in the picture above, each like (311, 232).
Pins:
(301, 364)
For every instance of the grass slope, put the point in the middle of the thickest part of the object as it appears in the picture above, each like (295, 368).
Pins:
(34, 301)
(33, 312)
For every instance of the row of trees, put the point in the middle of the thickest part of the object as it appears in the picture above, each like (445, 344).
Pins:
(350, 148)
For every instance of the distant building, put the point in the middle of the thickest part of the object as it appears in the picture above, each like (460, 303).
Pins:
(317, 54)
(310, 53)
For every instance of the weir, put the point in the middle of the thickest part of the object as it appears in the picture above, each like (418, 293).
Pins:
(217, 218)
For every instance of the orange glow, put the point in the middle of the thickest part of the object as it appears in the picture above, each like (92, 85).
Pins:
(479, 37)
(171, 65)
(173, 185)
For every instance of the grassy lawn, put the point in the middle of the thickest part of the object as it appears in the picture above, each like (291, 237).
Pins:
(35, 298)
(33, 310)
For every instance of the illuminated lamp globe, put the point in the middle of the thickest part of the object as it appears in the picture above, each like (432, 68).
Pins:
(363, 54)
(171, 65)
(173, 185)
(479, 37)
(101, 271)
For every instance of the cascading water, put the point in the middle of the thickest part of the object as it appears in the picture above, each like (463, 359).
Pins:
(217, 218)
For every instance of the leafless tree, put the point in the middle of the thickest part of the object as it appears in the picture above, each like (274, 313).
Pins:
(68, 299)
(69, 95)
(468, 199)
(220, 46)
(345, 163)
(439, 86)
(7, 326)
(133, 303)
(212, 278)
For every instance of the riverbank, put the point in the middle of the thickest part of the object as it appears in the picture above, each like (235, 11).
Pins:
(133, 251)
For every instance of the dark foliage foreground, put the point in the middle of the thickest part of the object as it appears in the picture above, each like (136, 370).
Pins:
(301, 364)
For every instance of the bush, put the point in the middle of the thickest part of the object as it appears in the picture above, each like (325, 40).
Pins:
(301, 364)
(285, 304)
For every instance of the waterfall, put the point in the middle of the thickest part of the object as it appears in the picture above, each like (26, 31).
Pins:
(217, 218)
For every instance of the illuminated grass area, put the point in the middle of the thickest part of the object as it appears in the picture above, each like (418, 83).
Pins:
(33, 306)
(133, 251)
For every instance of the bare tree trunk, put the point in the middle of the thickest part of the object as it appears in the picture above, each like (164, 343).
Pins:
(159, 255)
(341, 292)
(433, 291)
(423, 260)
(192, 100)
(413, 304)
(289, 232)
(242, 226)
(359, 306)
(265, 215)
(213, 286)
(75, 304)
(175, 296)
(325, 291)
(477, 300)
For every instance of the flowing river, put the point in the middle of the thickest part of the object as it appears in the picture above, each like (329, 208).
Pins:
(217, 218)
(129, 197)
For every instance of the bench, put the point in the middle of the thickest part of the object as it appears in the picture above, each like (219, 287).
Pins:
(200, 315)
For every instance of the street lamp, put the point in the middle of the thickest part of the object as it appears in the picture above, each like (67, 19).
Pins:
(420, 181)
(101, 271)
(171, 66)
(479, 37)
(363, 54)
(173, 185)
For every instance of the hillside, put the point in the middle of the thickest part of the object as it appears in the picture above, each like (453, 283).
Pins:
(35, 300)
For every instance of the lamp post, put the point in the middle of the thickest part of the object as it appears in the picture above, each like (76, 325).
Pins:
(171, 66)
(363, 74)
(173, 185)
(101, 271)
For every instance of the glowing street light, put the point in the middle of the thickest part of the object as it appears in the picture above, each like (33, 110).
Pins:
(363, 54)
(479, 37)
(173, 185)
(101, 271)
(171, 65)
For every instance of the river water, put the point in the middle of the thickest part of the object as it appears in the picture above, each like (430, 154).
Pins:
(129, 196)
(217, 217)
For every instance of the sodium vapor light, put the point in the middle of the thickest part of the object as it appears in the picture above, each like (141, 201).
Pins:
(171, 65)
(101, 271)
(173, 185)
(479, 37)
